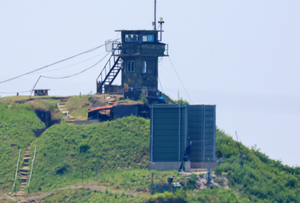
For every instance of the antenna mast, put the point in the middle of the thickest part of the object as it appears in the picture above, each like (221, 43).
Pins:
(154, 23)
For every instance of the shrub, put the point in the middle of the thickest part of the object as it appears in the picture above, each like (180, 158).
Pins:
(84, 147)
(61, 168)
(167, 197)
(191, 182)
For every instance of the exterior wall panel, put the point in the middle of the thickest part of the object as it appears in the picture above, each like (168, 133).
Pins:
(174, 126)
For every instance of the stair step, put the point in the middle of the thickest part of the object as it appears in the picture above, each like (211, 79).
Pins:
(26, 158)
(25, 168)
(20, 193)
(24, 173)
(24, 177)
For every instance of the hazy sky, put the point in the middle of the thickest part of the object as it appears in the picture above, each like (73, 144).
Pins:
(242, 56)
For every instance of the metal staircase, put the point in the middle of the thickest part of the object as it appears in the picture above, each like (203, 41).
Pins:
(109, 72)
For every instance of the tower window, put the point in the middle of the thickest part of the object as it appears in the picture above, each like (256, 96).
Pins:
(144, 66)
(151, 67)
(130, 66)
(148, 38)
(148, 67)
(131, 38)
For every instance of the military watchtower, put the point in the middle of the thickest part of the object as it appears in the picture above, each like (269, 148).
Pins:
(136, 57)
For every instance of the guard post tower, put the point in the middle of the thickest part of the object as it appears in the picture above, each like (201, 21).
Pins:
(136, 57)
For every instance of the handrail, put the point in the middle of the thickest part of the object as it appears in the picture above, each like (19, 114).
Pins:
(104, 67)
(32, 166)
(8, 197)
(16, 174)
(114, 48)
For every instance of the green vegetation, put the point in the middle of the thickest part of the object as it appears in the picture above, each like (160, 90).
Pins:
(33, 103)
(176, 197)
(79, 106)
(260, 179)
(87, 195)
(216, 195)
(138, 180)
(66, 153)
(118, 150)
(17, 123)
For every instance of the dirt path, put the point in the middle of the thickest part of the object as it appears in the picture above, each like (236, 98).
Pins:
(37, 198)
(92, 187)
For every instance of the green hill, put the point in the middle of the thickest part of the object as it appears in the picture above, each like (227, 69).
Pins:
(260, 178)
(17, 123)
(66, 151)
(118, 151)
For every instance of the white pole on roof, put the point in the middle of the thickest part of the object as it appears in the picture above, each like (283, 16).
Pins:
(154, 15)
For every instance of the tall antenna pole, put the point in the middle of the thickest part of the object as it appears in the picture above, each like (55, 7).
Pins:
(154, 24)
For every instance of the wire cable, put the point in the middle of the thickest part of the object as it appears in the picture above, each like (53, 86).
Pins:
(160, 85)
(69, 76)
(180, 80)
(14, 92)
(73, 63)
(41, 68)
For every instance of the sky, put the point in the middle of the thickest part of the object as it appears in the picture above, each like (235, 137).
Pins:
(242, 56)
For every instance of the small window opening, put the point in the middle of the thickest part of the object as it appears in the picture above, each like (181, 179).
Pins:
(130, 66)
(131, 38)
(150, 67)
(148, 38)
(144, 67)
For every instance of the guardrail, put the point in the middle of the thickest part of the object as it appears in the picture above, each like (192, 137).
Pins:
(31, 167)
(5, 195)
(16, 174)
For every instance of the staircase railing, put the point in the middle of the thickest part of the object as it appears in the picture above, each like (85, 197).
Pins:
(32, 166)
(5, 195)
(111, 61)
(110, 64)
(16, 174)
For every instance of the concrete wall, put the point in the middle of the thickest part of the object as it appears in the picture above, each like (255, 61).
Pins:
(86, 122)
(163, 166)
(204, 165)
(189, 166)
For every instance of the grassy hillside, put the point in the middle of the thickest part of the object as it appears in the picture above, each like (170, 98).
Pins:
(66, 152)
(260, 179)
(83, 195)
(17, 123)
